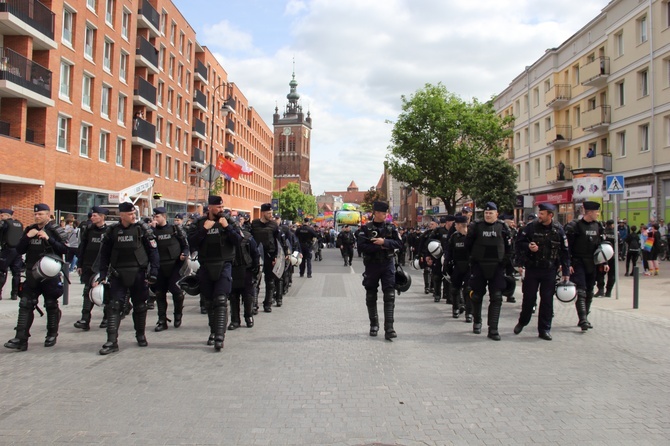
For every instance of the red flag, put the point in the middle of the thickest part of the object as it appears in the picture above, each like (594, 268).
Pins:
(228, 167)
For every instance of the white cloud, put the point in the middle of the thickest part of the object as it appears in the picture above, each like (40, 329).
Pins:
(354, 59)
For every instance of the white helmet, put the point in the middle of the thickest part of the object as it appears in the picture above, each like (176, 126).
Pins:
(566, 291)
(435, 249)
(189, 267)
(97, 294)
(603, 253)
(416, 264)
(295, 258)
(47, 267)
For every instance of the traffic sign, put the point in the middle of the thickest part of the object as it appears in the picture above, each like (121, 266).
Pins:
(615, 184)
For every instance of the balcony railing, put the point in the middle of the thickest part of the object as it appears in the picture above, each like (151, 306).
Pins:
(145, 90)
(596, 71)
(199, 128)
(148, 17)
(198, 156)
(200, 71)
(144, 133)
(558, 174)
(148, 55)
(24, 72)
(33, 13)
(600, 161)
(200, 98)
(559, 135)
(558, 95)
(597, 119)
(230, 125)
(230, 148)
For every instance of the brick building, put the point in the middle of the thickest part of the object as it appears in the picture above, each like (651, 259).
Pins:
(97, 95)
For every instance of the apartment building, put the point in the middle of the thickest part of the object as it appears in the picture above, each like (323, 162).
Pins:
(99, 95)
(597, 105)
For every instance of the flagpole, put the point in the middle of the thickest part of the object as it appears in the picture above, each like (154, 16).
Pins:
(224, 113)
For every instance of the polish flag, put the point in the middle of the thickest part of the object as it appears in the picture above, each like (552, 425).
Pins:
(246, 169)
(227, 167)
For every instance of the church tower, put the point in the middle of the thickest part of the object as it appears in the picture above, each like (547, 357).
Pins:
(292, 134)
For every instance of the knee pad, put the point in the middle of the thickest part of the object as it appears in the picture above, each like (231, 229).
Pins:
(389, 296)
(476, 298)
(581, 293)
(28, 302)
(140, 307)
(496, 297)
(50, 304)
(220, 301)
(3, 277)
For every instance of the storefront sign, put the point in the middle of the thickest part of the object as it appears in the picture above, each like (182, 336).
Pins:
(633, 193)
(555, 197)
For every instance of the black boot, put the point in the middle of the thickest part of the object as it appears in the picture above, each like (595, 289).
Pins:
(476, 313)
(161, 303)
(113, 320)
(371, 303)
(494, 315)
(105, 312)
(389, 306)
(588, 301)
(53, 319)
(455, 294)
(221, 307)
(211, 318)
(203, 306)
(279, 293)
(140, 321)
(23, 324)
(269, 293)
(178, 301)
(85, 322)
(426, 280)
(580, 304)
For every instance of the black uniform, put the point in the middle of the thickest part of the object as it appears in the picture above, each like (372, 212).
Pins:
(489, 246)
(345, 241)
(603, 289)
(541, 268)
(172, 245)
(11, 231)
(379, 266)
(89, 250)
(245, 269)
(216, 251)
(127, 254)
(267, 235)
(583, 240)
(457, 266)
(306, 236)
(440, 286)
(51, 288)
(422, 253)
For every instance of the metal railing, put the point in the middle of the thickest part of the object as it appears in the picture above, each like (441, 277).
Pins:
(147, 50)
(599, 116)
(24, 72)
(200, 98)
(199, 126)
(144, 89)
(33, 13)
(201, 69)
(150, 13)
(598, 68)
(230, 125)
(198, 156)
(230, 147)
(144, 129)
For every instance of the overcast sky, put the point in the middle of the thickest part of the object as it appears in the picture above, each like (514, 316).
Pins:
(354, 59)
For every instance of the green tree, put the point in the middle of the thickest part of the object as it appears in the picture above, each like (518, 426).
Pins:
(370, 197)
(494, 180)
(292, 199)
(438, 139)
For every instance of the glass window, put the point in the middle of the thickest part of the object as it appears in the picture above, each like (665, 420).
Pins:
(65, 75)
(92, 4)
(63, 125)
(619, 43)
(644, 83)
(107, 57)
(109, 12)
(644, 138)
(621, 140)
(104, 143)
(176, 170)
(159, 93)
(104, 101)
(168, 134)
(121, 110)
(123, 67)
(157, 165)
(120, 144)
(68, 26)
(84, 140)
(125, 24)
(621, 94)
(642, 27)
(87, 83)
(89, 42)
(168, 167)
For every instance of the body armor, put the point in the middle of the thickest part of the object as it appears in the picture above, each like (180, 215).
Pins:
(169, 247)
(38, 247)
(128, 251)
(460, 255)
(489, 245)
(548, 240)
(92, 240)
(264, 234)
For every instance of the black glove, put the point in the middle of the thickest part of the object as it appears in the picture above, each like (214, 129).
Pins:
(153, 276)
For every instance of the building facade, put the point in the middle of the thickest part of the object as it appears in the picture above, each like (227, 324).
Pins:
(98, 95)
(292, 132)
(597, 105)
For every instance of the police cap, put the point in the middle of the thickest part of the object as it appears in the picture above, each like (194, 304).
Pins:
(126, 207)
(179, 216)
(531, 217)
(380, 206)
(215, 200)
(42, 207)
(461, 219)
(466, 209)
(450, 217)
(490, 206)
(6, 211)
(443, 219)
(507, 217)
(100, 210)
(591, 205)
(160, 210)
(266, 207)
(547, 207)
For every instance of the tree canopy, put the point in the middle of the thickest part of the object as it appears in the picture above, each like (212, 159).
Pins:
(292, 200)
(494, 180)
(439, 140)
(370, 197)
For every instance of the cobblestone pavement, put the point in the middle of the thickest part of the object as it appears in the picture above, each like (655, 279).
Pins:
(308, 374)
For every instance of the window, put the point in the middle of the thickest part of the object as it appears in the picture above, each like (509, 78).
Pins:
(536, 132)
(86, 88)
(591, 104)
(620, 94)
(104, 101)
(123, 67)
(547, 85)
(578, 117)
(518, 171)
(89, 42)
(643, 81)
(173, 32)
(183, 173)
(121, 109)
(107, 56)
(157, 164)
(68, 27)
(84, 140)
(92, 4)
(109, 12)
(526, 103)
(547, 124)
(171, 67)
(666, 71)
(63, 126)
(517, 108)
(189, 48)
(177, 138)
(621, 141)
(592, 150)
(187, 107)
(65, 78)
(536, 165)
(181, 43)
(161, 58)
(168, 134)
(619, 43)
(642, 28)
(188, 81)
(125, 24)
(168, 167)
(548, 162)
(536, 97)
(120, 144)
(644, 138)
(184, 146)
(163, 21)
(159, 128)
(180, 71)
(575, 75)
(170, 95)
(526, 170)
(104, 144)
(176, 170)
(526, 136)
(178, 111)
(666, 121)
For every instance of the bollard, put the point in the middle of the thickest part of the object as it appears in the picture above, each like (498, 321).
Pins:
(66, 284)
(636, 287)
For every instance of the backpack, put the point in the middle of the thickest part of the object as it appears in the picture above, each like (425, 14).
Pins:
(244, 257)
(13, 233)
(634, 242)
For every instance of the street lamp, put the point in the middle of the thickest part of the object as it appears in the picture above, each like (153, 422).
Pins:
(224, 112)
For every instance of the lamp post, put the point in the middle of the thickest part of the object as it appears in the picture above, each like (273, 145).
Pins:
(224, 112)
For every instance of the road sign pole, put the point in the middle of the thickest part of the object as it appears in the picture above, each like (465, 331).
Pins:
(616, 245)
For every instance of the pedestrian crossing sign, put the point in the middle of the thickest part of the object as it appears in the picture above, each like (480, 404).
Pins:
(615, 184)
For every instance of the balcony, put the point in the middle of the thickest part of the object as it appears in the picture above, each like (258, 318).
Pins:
(148, 17)
(146, 55)
(200, 72)
(144, 93)
(28, 18)
(600, 161)
(598, 119)
(197, 157)
(230, 126)
(558, 95)
(595, 73)
(199, 129)
(559, 135)
(200, 101)
(144, 133)
(230, 149)
(509, 153)
(557, 174)
(25, 79)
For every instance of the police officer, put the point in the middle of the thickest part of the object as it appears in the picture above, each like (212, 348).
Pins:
(442, 234)
(377, 241)
(542, 247)
(457, 266)
(288, 241)
(584, 236)
(216, 238)
(488, 242)
(306, 236)
(266, 233)
(129, 260)
(608, 235)
(178, 220)
(88, 264)
(11, 231)
(509, 269)
(345, 241)
(245, 269)
(42, 239)
(426, 260)
(173, 250)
